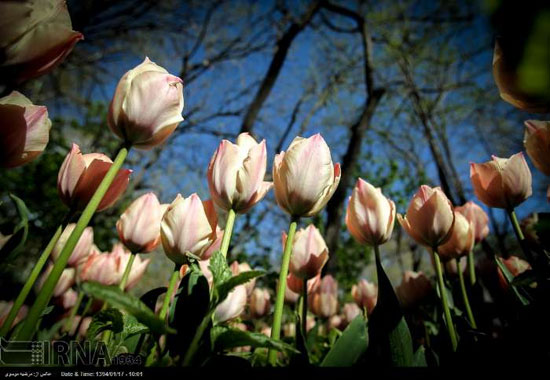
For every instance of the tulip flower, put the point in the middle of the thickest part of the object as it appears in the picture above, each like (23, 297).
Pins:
(537, 144)
(289, 330)
(24, 130)
(477, 217)
(324, 302)
(80, 175)
(121, 257)
(515, 265)
(68, 299)
(139, 226)
(83, 247)
(429, 218)
(236, 174)
(365, 294)
(370, 215)
(146, 107)
(461, 241)
(414, 287)
(304, 176)
(232, 306)
(291, 297)
(188, 228)
(259, 303)
(35, 36)
(336, 322)
(309, 253)
(238, 268)
(66, 280)
(99, 267)
(502, 182)
(204, 265)
(349, 311)
(296, 284)
(5, 308)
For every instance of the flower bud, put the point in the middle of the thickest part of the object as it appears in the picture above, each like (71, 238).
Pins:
(259, 303)
(81, 250)
(5, 308)
(502, 182)
(146, 107)
(35, 36)
(66, 280)
(139, 226)
(461, 241)
(414, 287)
(99, 267)
(365, 294)
(80, 175)
(370, 215)
(336, 322)
(309, 252)
(68, 299)
(324, 302)
(515, 265)
(188, 228)
(478, 217)
(537, 144)
(289, 330)
(236, 174)
(429, 218)
(237, 269)
(296, 284)
(121, 257)
(24, 130)
(304, 177)
(350, 311)
(232, 306)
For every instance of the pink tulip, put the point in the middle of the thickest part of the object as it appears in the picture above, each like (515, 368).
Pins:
(414, 287)
(100, 267)
(82, 330)
(232, 306)
(296, 284)
(81, 250)
(290, 297)
(350, 311)
(121, 257)
(515, 265)
(24, 130)
(80, 175)
(146, 107)
(370, 215)
(66, 280)
(35, 36)
(537, 144)
(204, 265)
(188, 228)
(259, 303)
(502, 182)
(336, 322)
(309, 252)
(68, 299)
(365, 294)
(5, 308)
(304, 177)
(451, 267)
(236, 174)
(289, 330)
(429, 218)
(237, 268)
(461, 241)
(324, 302)
(139, 226)
(478, 217)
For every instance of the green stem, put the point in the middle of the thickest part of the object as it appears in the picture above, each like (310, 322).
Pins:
(127, 271)
(443, 296)
(278, 315)
(465, 295)
(33, 276)
(471, 268)
(196, 339)
(74, 310)
(519, 235)
(227, 232)
(304, 309)
(173, 281)
(31, 322)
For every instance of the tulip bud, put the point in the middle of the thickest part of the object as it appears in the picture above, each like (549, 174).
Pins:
(139, 226)
(350, 312)
(68, 299)
(66, 280)
(121, 257)
(237, 269)
(296, 284)
(5, 308)
(99, 267)
(289, 330)
(232, 306)
(451, 267)
(413, 288)
(304, 177)
(290, 297)
(236, 174)
(336, 322)
(204, 265)
(35, 36)
(429, 218)
(477, 217)
(309, 252)
(266, 330)
(515, 265)
(81, 250)
(370, 215)
(188, 228)
(146, 107)
(461, 241)
(365, 294)
(259, 303)
(80, 175)
(503, 182)
(537, 144)
(24, 130)
(324, 302)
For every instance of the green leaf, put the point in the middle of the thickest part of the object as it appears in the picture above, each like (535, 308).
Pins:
(525, 279)
(219, 268)
(400, 340)
(225, 338)
(14, 245)
(420, 357)
(132, 327)
(110, 319)
(117, 298)
(510, 278)
(225, 287)
(350, 346)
